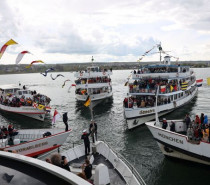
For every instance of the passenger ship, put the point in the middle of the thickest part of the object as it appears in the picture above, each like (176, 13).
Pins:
(18, 100)
(177, 87)
(93, 82)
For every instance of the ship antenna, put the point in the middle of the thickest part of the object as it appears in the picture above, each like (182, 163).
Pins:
(92, 60)
(160, 50)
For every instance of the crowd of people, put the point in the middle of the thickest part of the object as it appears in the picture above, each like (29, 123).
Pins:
(104, 79)
(156, 70)
(6, 131)
(144, 101)
(16, 101)
(92, 91)
(197, 130)
(149, 85)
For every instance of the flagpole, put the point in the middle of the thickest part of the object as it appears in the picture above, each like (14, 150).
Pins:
(156, 108)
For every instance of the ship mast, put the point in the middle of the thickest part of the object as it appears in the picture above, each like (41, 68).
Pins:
(92, 60)
(160, 50)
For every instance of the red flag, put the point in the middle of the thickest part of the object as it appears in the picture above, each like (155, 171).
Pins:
(56, 116)
(163, 88)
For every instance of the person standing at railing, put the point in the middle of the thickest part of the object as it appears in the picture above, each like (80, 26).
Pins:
(85, 137)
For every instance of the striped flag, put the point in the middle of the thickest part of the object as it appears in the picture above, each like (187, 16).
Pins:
(184, 86)
(199, 82)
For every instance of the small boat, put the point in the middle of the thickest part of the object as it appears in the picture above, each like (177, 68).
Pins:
(177, 88)
(93, 82)
(14, 99)
(19, 169)
(33, 142)
(115, 168)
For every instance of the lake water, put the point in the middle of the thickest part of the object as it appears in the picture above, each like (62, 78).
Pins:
(137, 146)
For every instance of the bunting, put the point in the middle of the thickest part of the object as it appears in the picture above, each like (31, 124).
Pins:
(4, 47)
(65, 83)
(20, 56)
(36, 61)
(139, 60)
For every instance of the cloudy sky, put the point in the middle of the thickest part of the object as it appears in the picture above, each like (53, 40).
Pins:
(64, 31)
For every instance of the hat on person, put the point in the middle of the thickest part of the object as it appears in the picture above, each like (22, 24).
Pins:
(84, 131)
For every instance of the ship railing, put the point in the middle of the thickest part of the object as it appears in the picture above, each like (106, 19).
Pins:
(128, 164)
(107, 154)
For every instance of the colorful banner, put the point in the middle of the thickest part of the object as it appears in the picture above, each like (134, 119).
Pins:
(37, 61)
(4, 47)
(20, 56)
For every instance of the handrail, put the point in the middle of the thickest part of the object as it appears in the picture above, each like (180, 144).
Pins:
(130, 166)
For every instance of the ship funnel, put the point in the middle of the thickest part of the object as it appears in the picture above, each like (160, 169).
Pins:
(167, 60)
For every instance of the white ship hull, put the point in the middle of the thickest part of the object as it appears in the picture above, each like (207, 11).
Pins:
(28, 111)
(94, 97)
(138, 116)
(35, 144)
(176, 145)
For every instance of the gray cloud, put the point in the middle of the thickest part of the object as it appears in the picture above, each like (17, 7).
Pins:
(7, 22)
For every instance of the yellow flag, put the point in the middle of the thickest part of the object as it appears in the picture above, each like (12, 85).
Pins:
(40, 107)
(87, 102)
(171, 88)
(11, 42)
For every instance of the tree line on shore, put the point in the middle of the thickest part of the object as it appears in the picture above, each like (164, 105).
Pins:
(70, 67)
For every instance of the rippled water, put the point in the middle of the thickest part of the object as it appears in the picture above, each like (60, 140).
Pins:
(138, 146)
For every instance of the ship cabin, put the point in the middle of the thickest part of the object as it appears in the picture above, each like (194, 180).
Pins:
(162, 71)
(93, 72)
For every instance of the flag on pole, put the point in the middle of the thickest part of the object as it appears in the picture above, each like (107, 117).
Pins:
(4, 47)
(199, 82)
(87, 102)
(184, 86)
(56, 116)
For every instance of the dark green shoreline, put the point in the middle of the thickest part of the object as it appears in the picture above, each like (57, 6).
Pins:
(70, 67)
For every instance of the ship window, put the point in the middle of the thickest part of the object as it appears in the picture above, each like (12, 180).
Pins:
(25, 92)
(175, 96)
(171, 97)
(20, 93)
(182, 94)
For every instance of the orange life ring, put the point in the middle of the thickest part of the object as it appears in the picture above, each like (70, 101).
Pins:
(81, 74)
(104, 73)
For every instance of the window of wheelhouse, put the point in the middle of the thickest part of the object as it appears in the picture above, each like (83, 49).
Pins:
(172, 97)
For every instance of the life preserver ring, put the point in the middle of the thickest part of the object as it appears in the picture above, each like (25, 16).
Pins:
(81, 74)
(104, 73)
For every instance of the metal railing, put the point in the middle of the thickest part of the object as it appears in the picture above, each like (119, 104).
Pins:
(130, 166)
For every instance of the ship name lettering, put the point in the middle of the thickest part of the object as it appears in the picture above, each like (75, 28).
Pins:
(31, 147)
(171, 138)
(146, 111)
